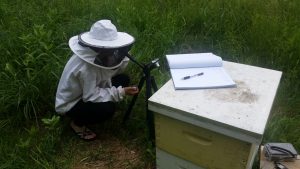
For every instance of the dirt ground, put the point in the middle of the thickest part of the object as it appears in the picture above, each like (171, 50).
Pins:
(109, 152)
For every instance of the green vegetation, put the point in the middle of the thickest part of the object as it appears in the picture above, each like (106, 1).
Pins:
(34, 36)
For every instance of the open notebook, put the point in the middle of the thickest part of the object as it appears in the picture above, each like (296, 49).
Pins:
(198, 70)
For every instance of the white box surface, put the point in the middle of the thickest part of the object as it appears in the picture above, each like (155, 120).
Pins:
(240, 112)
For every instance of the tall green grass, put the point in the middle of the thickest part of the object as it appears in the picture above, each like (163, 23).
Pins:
(34, 36)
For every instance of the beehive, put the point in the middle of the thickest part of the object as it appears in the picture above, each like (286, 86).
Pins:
(214, 128)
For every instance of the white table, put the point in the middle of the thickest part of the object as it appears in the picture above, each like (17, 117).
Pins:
(214, 128)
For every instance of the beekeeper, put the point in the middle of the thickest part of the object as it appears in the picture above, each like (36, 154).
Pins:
(92, 80)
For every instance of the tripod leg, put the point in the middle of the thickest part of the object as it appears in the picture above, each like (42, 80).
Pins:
(128, 112)
(150, 116)
(153, 84)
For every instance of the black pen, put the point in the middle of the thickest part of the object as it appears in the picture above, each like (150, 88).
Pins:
(188, 77)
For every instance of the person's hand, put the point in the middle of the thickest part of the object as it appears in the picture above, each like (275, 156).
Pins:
(131, 90)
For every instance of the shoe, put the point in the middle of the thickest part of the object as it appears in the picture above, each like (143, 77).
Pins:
(83, 132)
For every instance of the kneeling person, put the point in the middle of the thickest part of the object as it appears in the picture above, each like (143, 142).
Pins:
(92, 82)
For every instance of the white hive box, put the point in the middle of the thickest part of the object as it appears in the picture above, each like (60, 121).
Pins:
(214, 128)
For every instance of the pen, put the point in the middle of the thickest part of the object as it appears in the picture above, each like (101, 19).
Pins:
(188, 77)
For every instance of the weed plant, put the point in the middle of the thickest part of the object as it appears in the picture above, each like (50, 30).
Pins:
(34, 36)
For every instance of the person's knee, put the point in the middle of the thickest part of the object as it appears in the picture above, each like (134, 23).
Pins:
(120, 80)
(110, 107)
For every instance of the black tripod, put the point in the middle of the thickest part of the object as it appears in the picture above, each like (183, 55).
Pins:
(150, 85)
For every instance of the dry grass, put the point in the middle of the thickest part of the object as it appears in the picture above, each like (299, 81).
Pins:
(109, 152)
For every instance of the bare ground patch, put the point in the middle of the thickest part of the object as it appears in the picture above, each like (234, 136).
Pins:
(117, 146)
(110, 152)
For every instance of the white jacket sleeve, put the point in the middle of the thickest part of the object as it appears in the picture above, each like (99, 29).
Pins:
(94, 93)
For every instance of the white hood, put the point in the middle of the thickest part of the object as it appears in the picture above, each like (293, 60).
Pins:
(87, 54)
